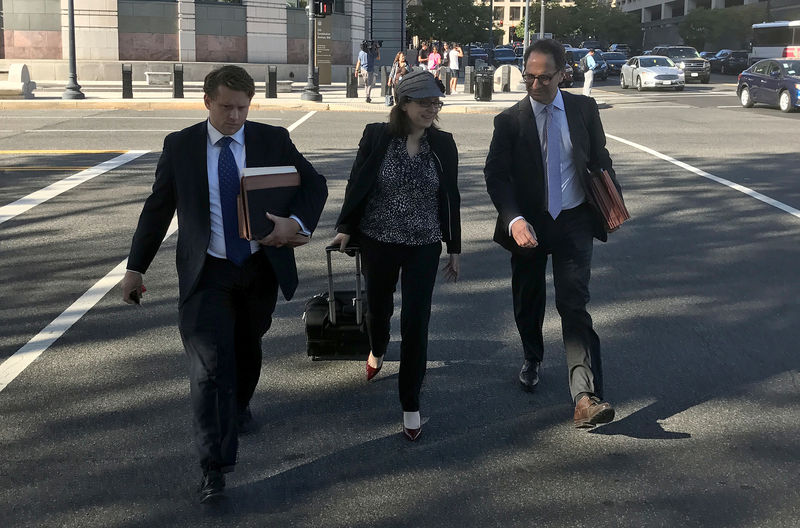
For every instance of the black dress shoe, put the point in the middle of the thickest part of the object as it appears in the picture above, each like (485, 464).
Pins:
(212, 487)
(245, 421)
(529, 375)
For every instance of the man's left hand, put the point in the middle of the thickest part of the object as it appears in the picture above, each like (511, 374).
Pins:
(285, 233)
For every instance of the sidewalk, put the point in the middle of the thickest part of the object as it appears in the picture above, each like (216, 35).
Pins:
(108, 96)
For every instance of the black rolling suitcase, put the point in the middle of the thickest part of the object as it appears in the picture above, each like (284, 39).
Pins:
(335, 323)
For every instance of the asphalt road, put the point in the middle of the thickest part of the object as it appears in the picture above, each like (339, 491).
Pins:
(695, 301)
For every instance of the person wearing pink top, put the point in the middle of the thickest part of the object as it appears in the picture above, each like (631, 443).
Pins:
(434, 60)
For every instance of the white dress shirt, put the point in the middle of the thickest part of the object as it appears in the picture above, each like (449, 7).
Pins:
(572, 194)
(216, 246)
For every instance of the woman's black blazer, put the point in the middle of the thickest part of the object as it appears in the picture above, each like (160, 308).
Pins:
(371, 151)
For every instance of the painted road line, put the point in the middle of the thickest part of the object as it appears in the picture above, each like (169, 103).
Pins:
(7, 212)
(301, 121)
(106, 130)
(19, 361)
(43, 169)
(45, 152)
(741, 188)
(638, 106)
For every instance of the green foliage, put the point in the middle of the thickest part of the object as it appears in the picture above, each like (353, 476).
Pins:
(450, 20)
(720, 28)
(586, 19)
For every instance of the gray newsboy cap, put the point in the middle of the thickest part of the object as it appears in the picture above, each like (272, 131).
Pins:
(419, 85)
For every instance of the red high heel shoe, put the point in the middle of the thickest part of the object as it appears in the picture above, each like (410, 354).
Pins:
(411, 434)
(373, 371)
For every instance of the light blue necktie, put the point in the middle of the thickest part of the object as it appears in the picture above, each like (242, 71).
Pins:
(553, 156)
(237, 249)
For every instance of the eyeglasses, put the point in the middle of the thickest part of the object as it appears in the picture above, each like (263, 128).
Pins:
(436, 105)
(543, 79)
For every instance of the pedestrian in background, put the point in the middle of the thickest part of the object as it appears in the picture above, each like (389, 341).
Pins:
(434, 61)
(455, 54)
(541, 198)
(399, 69)
(422, 57)
(588, 74)
(365, 65)
(400, 203)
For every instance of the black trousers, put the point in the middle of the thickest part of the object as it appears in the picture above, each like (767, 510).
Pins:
(221, 325)
(569, 240)
(416, 266)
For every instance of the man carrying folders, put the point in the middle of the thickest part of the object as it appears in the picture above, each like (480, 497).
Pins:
(537, 175)
(228, 286)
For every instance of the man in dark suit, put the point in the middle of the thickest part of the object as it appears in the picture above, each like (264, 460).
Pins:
(536, 174)
(228, 286)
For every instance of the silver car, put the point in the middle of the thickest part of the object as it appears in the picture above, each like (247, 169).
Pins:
(651, 71)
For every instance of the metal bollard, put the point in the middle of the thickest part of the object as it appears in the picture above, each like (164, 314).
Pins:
(384, 80)
(469, 79)
(446, 74)
(127, 81)
(272, 82)
(505, 78)
(177, 81)
(351, 83)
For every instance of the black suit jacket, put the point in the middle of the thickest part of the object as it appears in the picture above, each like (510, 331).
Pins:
(182, 183)
(515, 173)
(371, 152)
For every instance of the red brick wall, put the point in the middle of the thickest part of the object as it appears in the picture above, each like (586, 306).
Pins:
(148, 46)
(20, 44)
(220, 48)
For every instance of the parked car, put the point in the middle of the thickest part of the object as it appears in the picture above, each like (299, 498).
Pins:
(503, 56)
(614, 60)
(775, 82)
(620, 48)
(574, 56)
(731, 62)
(476, 53)
(568, 80)
(687, 59)
(708, 54)
(591, 44)
(651, 71)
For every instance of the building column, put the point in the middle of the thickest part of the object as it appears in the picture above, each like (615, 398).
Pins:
(96, 29)
(358, 24)
(717, 4)
(666, 11)
(750, 2)
(266, 31)
(647, 16)
(187, 43)
(689, 5)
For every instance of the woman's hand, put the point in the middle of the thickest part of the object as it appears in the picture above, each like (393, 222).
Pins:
(342, 240)
(452, 268)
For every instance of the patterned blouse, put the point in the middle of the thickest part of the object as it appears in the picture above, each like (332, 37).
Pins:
(403, 206)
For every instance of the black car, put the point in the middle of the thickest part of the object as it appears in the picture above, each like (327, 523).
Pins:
(475, 54)
(503, 56)
(731, 62)
(614, 60)
(694, 67)
(574, 56)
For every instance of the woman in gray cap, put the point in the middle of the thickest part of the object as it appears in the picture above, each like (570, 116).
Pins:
(400, 204)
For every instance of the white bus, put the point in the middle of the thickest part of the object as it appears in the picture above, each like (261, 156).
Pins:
(775, 39)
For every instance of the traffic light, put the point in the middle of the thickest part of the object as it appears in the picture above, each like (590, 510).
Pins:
(323, 7)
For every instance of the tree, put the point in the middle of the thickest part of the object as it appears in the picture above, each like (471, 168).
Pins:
(449, 20)
(720, 28)
(585, 19)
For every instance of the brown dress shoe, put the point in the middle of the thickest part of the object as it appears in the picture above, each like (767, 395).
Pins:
(590, 411)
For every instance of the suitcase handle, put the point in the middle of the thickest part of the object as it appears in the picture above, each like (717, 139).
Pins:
(354, 251)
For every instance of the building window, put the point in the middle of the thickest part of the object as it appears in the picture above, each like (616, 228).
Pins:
(498, 13)
(296, 4)
(235, 2)
(515, 13)
(338, 6)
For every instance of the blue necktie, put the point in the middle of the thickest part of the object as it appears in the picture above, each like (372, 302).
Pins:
(237, 249)
(552, 145)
